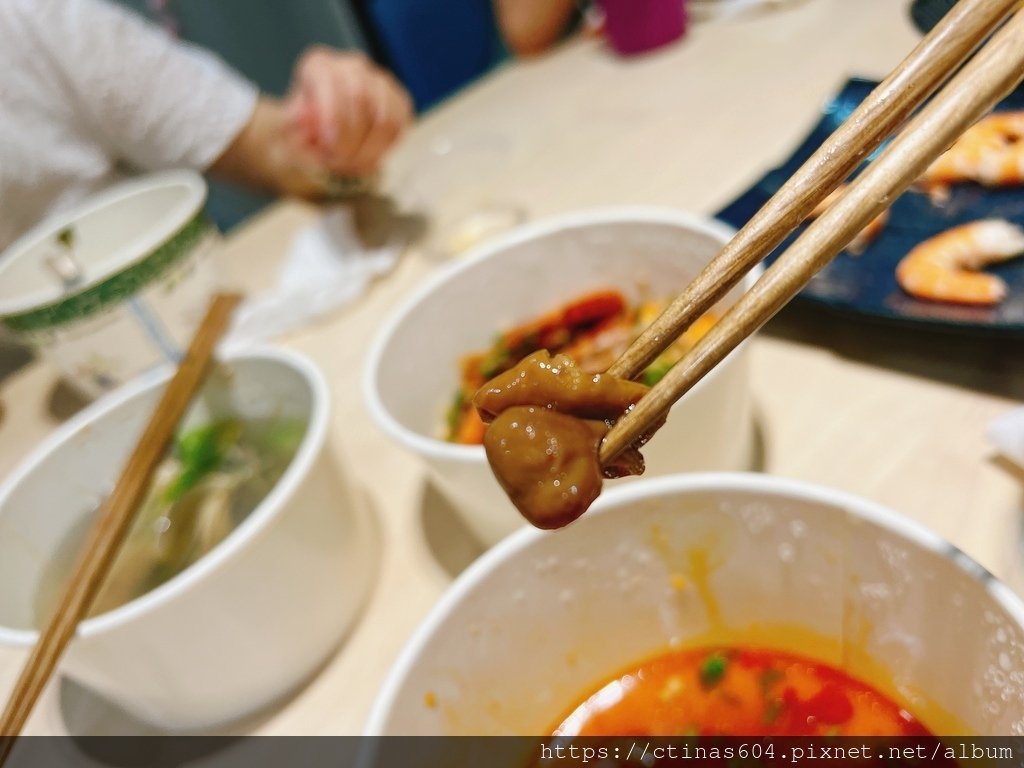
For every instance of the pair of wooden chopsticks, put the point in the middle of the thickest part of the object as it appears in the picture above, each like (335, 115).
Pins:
(115, 519)
(994, 71)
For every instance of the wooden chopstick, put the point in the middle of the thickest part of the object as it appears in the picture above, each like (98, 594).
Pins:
(114, 522)
(930, 64)
(994, 71)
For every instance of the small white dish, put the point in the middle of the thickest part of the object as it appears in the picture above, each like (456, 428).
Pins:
(413, 367)
(250, 620)
(543, 619)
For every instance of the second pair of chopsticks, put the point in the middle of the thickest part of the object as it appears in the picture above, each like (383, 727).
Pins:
(994, 71)
(112, 525)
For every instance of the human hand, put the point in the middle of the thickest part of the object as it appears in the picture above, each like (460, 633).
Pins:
(346, 111)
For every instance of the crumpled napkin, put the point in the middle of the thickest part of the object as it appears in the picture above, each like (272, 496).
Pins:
(330, 265)
(1007, 433)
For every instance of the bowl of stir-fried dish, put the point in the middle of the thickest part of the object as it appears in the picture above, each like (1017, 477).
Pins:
(245, 564)
(583, 285)
(716, 604)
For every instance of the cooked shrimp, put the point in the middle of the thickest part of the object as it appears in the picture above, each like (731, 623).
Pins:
(944, 268)
(867, 235)
(991, 152)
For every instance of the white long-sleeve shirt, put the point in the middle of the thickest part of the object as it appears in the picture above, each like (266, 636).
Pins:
(89, 92)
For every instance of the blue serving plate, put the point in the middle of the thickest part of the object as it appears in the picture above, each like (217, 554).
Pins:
(866, 284)
(927, 13)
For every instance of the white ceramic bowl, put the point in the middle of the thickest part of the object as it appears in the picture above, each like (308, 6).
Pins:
(412, 372)
(247, 622)
(144, 249)
(544, 618)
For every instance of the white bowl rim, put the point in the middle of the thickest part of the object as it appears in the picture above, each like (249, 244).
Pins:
(641, 490)
(437, 448)
(119, 259)
(249, 529)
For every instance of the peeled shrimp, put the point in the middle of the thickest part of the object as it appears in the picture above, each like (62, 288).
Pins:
(944, 268)
(991, 152)
(867, 235)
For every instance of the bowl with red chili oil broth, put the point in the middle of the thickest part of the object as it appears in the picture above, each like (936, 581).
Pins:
(717, 604)
(584, 284)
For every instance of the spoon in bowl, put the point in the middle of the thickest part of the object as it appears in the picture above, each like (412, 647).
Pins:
(61, 261)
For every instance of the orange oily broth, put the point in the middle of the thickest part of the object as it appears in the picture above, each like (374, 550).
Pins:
(737, 690)
(878, 693)
(799, 642)
(691, 568)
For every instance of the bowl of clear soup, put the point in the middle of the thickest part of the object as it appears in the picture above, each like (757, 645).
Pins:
(245, 566)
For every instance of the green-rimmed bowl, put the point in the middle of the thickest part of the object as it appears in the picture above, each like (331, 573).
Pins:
(142, 251)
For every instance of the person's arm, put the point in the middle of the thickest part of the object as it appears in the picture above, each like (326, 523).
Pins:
(155, 103)
(260, 158)
(342, 115)
(532, 26)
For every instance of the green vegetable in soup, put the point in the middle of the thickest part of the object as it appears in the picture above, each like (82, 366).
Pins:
(713, 670)
(201, 452)
(214, 476)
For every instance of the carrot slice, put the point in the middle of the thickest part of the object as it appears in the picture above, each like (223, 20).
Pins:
(593, 307)
(471, 428)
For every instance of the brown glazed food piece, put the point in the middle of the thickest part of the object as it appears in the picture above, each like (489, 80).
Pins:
(546, 462)
(547, 420)
(557, 383)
